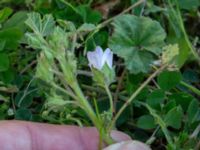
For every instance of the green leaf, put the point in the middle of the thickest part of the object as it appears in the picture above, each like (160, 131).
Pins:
(139, 9)
(125, 116)
(5, 13)
(16, 20)
(174, 117)
(168, 106)
(98, 77)
(181, 98)
(23, 114)
(58, 41)
(152, 8)
(191, 76)
(3, 110)
(176, 34)
(109, 74)
(43, 26)
(86, 27)
(169, 79)
(137, 40)
(189, 4)
(100, 38)
(193, 111)
(7, 76)
(88, 15)
(55, 102)
(146, 122)
(133, 81)
(2, 44)
(4, 62)
(156, 98)
(35, 41)
(104, 76)
(11, 37)
(3, 98)
(43, 70)
(23, 100)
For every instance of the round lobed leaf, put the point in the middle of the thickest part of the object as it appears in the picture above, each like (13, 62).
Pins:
(137, 40)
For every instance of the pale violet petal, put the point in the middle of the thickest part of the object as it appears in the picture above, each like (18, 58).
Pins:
(98, 58)
(99, 51)
(95, 57)
(107, 58)
(93, 60)
(90, 58)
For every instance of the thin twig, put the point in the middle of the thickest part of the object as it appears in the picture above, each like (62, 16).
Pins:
(85, 73)
(197, 146)
(123, 12)
(64, 91)
(134, 95)
(70, 5)
(196, 132)
(110, 98)
(13, 103)
(152, 138)
(119, 85)
(142, 11)
(28, 66)
(191, 88)
(156, 84)
(103, 24)
(26, 91)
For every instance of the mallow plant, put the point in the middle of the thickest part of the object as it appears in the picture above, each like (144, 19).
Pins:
(57, 42)
(101, 64)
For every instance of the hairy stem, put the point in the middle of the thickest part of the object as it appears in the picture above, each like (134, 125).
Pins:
(120, 80)
(88, 109)
(110, 99)
(190, 87)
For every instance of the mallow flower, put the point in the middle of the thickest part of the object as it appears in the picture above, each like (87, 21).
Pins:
(98, 58)
(101, 64)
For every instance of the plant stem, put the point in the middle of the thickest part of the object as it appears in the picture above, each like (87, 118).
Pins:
(85, 104)
(78, 95)
(70, 5)
(192, 88)
(134, 95)
(120, 80)
(88, 109)
(76, 120)
(186, 38)
(179, 19)
(103, 24)
(64, 91)
(123, 12)
(152, 138)
(110, 99)
(196, 132)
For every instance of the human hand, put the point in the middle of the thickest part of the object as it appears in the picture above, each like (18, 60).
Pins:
(21, 135)
(128, 145)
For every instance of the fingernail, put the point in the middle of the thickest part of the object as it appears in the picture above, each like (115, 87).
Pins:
(128, 145)
(118, 136)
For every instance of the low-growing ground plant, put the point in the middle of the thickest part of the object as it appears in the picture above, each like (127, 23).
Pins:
(128, 65)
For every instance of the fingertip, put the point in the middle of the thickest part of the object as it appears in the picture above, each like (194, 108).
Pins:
(128, 145)
(119, 136)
